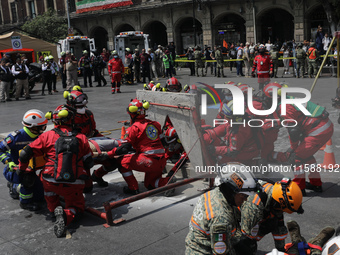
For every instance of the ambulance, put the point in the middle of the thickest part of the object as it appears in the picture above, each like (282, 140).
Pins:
(76, 44)
(132, 40)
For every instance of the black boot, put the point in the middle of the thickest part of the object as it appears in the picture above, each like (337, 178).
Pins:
(60, 223)
(99, 180)
(128, 191)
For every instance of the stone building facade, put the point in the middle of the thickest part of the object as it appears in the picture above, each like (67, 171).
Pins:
(212, 21)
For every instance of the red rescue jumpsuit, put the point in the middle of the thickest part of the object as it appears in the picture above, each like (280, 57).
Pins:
(72, 192)
(263, 64)
(240, 145)
(316, 132)
(115, 69)
(270, 128)
(149, 158)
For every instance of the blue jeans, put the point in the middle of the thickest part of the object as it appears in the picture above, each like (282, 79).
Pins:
(239, 68)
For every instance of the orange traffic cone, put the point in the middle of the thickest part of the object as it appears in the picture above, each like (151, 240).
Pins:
(122, 133)
(323, 147)
(329, 159)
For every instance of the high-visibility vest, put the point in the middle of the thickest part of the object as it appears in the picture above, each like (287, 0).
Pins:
(312, 53)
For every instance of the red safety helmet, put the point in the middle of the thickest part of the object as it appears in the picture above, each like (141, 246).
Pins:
(76, 99)
(149, 86)
(268, 89)
(243, 88)
(173, 85)
(137, 109)
(171, 135)
(61, 116)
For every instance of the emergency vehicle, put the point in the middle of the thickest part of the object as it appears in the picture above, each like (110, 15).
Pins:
(132, 40)
(76, 44)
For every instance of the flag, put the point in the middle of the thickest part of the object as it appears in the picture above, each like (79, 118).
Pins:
(225, 44)
(95, 5)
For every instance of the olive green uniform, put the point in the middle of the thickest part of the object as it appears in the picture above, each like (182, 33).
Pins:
(259, 219)
(275, 58)
(219, 62)
(198, 61)
(213, 226)
(300, 59)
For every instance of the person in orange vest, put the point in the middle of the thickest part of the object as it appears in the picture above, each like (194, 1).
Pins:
(313, 55)
(116, 68)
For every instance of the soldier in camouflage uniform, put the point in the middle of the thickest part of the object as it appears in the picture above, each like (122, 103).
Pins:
(214, 226)
(301, 58)
(198, 55)
(274, 53)
(220, 61)
(262, 213)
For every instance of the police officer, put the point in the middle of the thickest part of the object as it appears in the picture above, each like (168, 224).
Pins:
(20, 72)
(62, 68)
(5, 80)
(301, 57)
(313, 55)
(207, 55)
(198, 60)
(213, 225)
(86, 64)
(34, 122)
(47, 76)
(219, 61)
(274, 53)
(98, 65)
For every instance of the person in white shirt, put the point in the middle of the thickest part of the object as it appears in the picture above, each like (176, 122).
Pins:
(54, 72)
(268, 46)
(20, 72)
(325, 42)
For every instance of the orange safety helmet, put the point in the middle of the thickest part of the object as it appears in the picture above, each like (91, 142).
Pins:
(173, 85)
(288, 195)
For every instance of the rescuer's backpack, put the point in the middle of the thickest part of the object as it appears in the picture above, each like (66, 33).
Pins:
(66, 151)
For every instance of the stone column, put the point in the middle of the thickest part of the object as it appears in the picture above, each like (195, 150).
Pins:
(299, 17)
(250, 36)
(205, 17)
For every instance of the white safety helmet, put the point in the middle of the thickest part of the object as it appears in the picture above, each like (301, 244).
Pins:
(332, 247)
(34, 118)
(47, 58)
(238, 177)
(276, 252)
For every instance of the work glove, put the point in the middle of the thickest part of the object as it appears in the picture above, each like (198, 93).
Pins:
(253, 74)
(103, 157)
(11, 166)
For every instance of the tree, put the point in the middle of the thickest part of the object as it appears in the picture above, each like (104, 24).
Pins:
(48, 26)
(332, 9)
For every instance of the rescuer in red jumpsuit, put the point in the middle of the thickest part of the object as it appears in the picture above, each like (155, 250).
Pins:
(236, 143)
(263, 65)
(270, 129)
(115, 68)
(84, 123)
(149, 157)
(310, 134)
(72, 192)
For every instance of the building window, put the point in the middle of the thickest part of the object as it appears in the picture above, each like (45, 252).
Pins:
(14, 12)
(31, 7)
(72, 5)
(50, 4)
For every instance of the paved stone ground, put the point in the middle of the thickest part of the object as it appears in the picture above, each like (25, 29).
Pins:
(155, 225)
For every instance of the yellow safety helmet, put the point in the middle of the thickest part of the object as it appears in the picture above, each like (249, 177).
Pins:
(288, 195)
